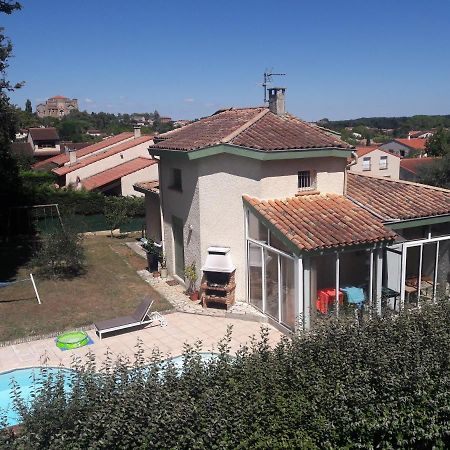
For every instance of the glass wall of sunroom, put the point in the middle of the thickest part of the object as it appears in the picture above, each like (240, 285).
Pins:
(300, 292)
(272, 275)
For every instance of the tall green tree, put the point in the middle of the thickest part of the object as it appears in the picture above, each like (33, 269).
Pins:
(10, 191)
(28, 107)
(439, 143)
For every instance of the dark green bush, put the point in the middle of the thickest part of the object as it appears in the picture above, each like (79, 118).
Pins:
(385, 384)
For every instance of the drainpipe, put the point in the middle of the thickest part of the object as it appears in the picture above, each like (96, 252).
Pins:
(347, 168)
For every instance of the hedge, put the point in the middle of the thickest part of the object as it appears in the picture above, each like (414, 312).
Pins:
(384, 384)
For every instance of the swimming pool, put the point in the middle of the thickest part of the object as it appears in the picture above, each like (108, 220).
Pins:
(27, 379)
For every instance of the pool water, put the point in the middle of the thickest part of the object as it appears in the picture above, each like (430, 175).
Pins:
(27, 379)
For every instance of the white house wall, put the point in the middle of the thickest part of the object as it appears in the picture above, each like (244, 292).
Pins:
(184, 205)
(393, 165)
(146, 174)
(223, 181)
(280, 177)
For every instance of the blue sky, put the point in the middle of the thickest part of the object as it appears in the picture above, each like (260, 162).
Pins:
(343, 59)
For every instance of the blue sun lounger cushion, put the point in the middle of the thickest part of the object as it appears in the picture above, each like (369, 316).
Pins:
(355, 295)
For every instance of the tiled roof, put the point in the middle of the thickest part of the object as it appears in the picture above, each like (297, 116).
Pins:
(98, 156)
(147, 186)
(362, 151)
(391, 200)
(414, 143)
(116, 173)
(255, 128)
(62, 159)
(22, 148)
(413, 165)
(315, 222)
(44, 134)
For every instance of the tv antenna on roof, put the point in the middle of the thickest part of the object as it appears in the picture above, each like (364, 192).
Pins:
(268, 74)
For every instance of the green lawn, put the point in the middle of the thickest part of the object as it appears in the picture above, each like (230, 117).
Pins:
(110, 288)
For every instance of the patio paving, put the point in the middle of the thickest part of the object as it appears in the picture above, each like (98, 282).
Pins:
(182, 328)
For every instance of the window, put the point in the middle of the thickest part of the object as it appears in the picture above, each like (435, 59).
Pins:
(366, 163)
(176, 180)
(383, 162)
(306, 180)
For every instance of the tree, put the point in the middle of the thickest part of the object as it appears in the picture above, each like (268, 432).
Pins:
(439, 143)
(60, 254)
(10, 192)
(117, 212)
(28, 107)
(437, 173)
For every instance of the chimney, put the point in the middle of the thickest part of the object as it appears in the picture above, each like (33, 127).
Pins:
(72, 157)
(137, 131)
(276, 100)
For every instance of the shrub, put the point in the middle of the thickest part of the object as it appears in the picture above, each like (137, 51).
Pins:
(59, 254)
(385, 384)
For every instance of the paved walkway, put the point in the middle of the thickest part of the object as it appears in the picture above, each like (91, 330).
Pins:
(182, 328)
(181, 302)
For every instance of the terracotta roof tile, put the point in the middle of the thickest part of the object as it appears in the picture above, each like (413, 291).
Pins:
(392, 200)
(117, 172)
(255, 128)
(98, 156)
(62, 159)
(414, 143)
(413, 165)
(315, 222)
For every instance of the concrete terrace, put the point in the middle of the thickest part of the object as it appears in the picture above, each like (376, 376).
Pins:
(182, 328)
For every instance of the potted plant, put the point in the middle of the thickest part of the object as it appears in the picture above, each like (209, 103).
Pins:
(163, 262)
(190, 272)
(153, 250)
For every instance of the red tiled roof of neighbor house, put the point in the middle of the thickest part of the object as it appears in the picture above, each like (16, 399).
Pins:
(392, 200)
(116, 173)
(254, 128)
(98, 156)
(62, 159)
(363, 151)
(414, 143)
(413, 165)
(147, 186)
(315, 222)
(44, 134)
(59, 96)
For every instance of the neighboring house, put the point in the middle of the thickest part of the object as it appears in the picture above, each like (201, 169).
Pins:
(421, 134)
(410, 167)
(181, 123)
(57, 106)
(22, 134)
(165, 119)
(113, 170)
(261, 198)
(93, 149)
(373, 161)
(44, 141)
(403, 147)
(94, 133)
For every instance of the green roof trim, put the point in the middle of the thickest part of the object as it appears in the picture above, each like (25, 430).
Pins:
(411, 223)
(262, 155)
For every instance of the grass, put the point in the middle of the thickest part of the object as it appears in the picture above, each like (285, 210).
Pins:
(110, 288)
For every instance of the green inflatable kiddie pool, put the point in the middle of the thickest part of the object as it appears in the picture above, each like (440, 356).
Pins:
(72, 339)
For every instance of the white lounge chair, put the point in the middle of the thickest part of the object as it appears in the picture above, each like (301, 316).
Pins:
(142, 316)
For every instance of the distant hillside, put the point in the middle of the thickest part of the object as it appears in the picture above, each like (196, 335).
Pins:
(399, 125)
